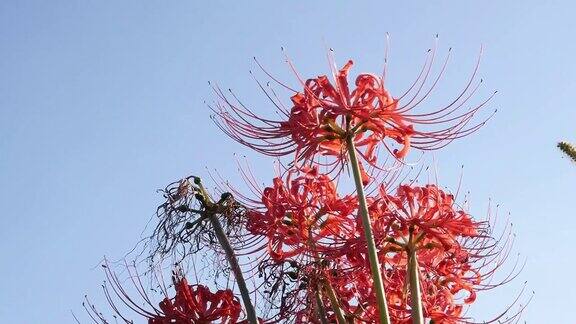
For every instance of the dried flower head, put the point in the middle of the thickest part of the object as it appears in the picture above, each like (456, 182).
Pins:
(184, 220)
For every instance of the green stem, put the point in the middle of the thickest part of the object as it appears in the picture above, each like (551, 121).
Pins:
(415, 294)
(230, 256)
(335, 304)
(235, 267)
(320, 307)
(372, 253)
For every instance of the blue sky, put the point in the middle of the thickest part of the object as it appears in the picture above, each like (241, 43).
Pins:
(102, 103)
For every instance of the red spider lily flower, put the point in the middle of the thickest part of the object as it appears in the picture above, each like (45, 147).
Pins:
(457, 256)
(197, 304)
(325, 113)
(429, 212)
(190, 304)
(301, 214)
(443, 301)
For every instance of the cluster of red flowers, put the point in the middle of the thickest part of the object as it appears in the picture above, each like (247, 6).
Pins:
(319, 253)
(452, 248)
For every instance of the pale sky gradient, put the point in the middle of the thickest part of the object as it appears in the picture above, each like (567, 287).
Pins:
(102, 102)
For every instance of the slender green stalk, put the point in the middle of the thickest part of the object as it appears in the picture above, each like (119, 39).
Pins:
(372, 253)
(415, 294)
(320, 307)
(230, 256)
(235, 267)
(320, 310)
(335, 304)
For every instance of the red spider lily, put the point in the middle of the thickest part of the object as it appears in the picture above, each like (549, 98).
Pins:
(457, 256)
(190, 304)
(196, 304)
(326, 113)
(301, 214)
(429, 212)
(443, 301)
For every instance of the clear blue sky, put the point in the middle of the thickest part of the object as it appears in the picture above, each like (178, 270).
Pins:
(101, 103)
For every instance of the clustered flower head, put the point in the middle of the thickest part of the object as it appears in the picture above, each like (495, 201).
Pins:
(326, 113)
(302, 213)
(190, 303)
(197, 304)
(399, 252)
(426, 220)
